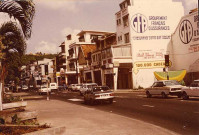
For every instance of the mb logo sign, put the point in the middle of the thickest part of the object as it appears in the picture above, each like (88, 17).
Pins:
(186, 31)
(139, 23)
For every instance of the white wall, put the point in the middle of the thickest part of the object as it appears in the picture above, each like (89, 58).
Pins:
(150, 45)
(184, 47)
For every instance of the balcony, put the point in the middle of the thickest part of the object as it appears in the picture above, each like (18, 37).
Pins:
(122, 51)
(71, 57)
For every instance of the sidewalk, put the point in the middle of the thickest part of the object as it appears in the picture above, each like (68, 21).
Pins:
(86, 120)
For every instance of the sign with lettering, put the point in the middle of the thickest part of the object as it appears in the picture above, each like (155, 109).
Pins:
(148, 65)
(140, 23)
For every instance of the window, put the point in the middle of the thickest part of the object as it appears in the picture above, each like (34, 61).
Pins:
(118, 21)
(126, 38)
(119, 38)
(126, 21)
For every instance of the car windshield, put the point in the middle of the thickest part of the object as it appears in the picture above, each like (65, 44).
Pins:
(173, 82)
(105, 88)
(91, 86)
(43, 87)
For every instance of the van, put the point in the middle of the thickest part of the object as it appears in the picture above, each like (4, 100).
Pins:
(53, 86)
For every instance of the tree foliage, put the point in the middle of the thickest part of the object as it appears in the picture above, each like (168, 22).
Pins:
(22, 10)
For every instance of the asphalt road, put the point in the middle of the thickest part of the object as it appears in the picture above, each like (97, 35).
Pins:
(172, 113)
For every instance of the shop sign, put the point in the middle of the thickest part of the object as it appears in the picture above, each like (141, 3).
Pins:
(58, 74)
(108, 71)
(116, 63)
(148, 65)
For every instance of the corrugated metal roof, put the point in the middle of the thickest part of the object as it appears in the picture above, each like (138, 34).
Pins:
(88, 48)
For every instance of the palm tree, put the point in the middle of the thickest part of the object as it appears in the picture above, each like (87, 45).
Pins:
(22, 10)
(11, 38)
(13, 42)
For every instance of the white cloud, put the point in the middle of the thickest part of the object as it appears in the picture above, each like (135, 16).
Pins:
(58, 4)
(46, 47)
(189, 5)
(68, 30)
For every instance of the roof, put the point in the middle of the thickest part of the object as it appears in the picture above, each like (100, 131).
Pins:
(97, 32)
(87, 48)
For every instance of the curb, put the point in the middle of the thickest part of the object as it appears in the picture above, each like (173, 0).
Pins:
(49, 131)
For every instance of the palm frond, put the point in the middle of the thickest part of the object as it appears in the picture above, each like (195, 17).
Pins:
(22, 10)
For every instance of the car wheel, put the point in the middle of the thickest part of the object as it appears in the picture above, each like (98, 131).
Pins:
(111, 101)
(185, 96)
(148, 95)
(163, 95)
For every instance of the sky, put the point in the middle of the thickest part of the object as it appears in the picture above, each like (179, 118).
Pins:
(54, 19)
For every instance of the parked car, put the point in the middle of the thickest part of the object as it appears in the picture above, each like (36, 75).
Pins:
(44, 89)
(71, 87)
(85, 87)
(164, 88)
(191, 91)
(77, 87)
(62, 87)
(24, 88)
(53, 86)
(98, 93)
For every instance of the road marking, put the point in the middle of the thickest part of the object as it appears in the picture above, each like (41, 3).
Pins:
(141, 95)
(75, 99)
(148, 106)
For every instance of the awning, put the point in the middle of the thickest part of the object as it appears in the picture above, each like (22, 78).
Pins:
(173, 75)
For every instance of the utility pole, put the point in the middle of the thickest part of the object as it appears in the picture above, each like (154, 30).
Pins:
(76, 66)
(167, 64)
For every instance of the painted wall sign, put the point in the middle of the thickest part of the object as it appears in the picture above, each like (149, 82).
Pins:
(142, 54)
(140, 24)
(148, 65)
(186, 31)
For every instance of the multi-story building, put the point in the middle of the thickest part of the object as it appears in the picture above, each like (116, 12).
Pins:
(184, 46)
(79, 55)
(146, 26)
(112, 63)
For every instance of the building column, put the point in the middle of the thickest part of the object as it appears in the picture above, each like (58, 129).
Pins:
(92, 75)
(115, 71)
(102, 77)
(66, 79)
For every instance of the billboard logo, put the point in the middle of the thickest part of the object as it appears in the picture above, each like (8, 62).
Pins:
(139, 23)
(186, 31)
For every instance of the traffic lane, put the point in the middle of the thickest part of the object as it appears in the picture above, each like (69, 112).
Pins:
(170, 113)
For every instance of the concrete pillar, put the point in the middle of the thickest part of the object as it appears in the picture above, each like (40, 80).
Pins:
(115, 71)
(102, 77)
(92, 75)
(66, 79)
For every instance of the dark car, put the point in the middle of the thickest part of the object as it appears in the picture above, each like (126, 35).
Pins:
(98, 93)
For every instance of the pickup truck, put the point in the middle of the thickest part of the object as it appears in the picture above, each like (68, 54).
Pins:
(191, 91)
(164, 88)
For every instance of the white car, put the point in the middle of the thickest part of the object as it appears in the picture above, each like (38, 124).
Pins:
(192, 91)
(44, 89)
(24, 88)
(164, 88)
(53, 86)
(98, 93)
(85, 87)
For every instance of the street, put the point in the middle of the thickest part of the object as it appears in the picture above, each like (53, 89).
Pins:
(172, 113)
